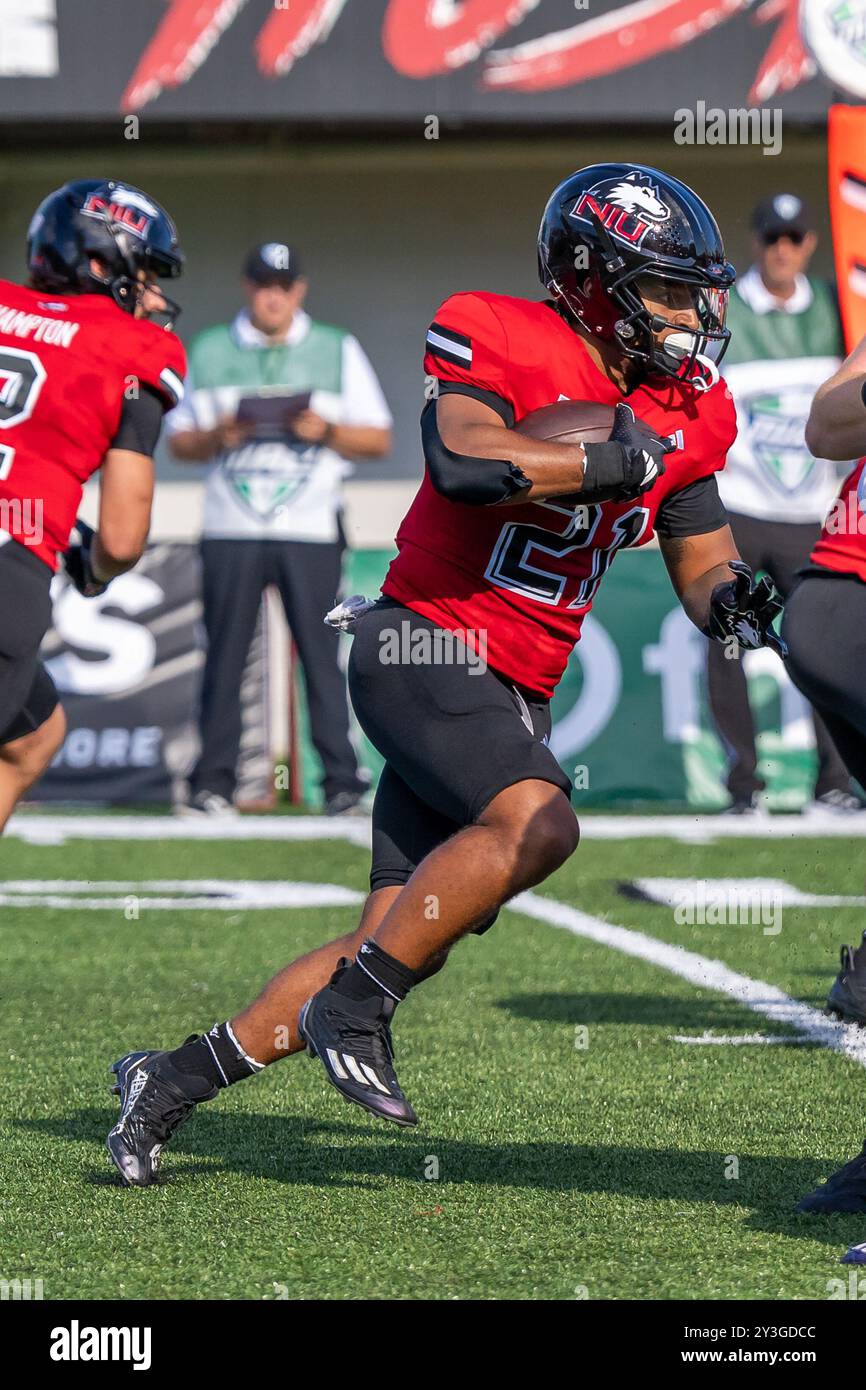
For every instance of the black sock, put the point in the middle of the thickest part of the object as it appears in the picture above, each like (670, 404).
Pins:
(374, 972)
(217, 1056)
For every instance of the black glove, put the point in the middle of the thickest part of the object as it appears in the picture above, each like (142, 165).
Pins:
(744, 610)
(78, 566)
(627, 464)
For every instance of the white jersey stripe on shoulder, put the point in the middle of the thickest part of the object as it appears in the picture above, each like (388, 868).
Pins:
(439, 340)
(172, 382)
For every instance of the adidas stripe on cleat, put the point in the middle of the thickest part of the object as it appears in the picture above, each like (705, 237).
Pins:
(352, 1039)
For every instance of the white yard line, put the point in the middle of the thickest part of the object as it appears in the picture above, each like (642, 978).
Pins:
(207, 894)
(741, 1040)
(38, 829)
(761, 998)
(51, 829)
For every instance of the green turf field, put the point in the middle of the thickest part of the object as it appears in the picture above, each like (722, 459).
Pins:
(564, 1171)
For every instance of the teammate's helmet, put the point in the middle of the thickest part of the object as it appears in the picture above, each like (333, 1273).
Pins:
(115, 224)
(611, 233)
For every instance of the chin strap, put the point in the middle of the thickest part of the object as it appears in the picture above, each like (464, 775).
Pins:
(679, 347)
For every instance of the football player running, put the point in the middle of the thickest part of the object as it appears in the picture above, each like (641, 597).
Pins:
(86, 374)
(501, 552)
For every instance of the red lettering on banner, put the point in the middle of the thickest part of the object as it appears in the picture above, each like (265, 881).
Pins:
(607, 43)
(178, 48)
(425, 38)
(420, 42)
(290, 33)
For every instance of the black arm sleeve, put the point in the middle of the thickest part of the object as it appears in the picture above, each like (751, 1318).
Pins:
(462, 478)
(503, 408)
(693, 511)
(140, 423)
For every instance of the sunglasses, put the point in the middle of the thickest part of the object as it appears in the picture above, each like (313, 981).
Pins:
(795, 238)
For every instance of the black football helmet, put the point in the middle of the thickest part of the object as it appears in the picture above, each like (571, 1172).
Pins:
(113, 223)
(612, 233)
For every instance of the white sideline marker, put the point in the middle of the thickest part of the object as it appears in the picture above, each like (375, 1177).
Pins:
(51, 829)
(761, 998)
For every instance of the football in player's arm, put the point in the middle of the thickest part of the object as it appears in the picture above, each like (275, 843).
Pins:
(90, 366)
(723, 605)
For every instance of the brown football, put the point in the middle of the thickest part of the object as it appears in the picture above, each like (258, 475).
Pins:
(569, 422)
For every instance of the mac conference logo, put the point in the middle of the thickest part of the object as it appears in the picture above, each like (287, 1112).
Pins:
(834, 32)
(775, 427)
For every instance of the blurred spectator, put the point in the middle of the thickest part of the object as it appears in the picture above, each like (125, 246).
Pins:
(785, 341)
(276, 402)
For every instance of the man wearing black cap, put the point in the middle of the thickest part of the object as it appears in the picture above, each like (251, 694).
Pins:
(277, 404)
(785, 340)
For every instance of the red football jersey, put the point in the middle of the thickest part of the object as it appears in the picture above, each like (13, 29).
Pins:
(526, 575)
(842, 544)
(65, 364)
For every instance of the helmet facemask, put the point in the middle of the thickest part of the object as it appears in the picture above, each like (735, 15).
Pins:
(128, 288)
(687, 351)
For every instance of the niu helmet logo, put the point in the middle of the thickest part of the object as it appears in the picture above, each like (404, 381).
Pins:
(627, 207)
(129, 209)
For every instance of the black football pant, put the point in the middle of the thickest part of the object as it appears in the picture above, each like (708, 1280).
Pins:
(27, 693)
(453, 736)
(825, 628)
(308, 576)
(779, 548)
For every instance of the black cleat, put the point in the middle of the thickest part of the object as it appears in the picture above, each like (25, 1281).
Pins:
(847, 997)
(844, 1191)
(152, 1106)
(352, 1039)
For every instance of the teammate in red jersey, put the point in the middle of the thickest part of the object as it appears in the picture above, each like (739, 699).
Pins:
(86, 374)
(825, 628)
(499, 558)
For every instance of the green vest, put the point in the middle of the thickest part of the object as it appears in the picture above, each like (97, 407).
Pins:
(216, 359)
(275, 488)
(774, 364)
(759, 337)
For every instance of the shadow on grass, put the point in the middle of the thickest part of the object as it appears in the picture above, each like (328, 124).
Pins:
(665, 1010)
(329, 1154)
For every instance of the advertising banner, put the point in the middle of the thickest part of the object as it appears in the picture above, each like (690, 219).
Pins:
(128, 668)
(482, 61)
